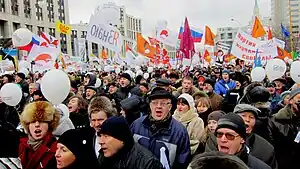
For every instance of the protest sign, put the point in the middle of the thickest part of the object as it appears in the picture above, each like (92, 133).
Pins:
(63, 28)
(105, 35)
(244, 47)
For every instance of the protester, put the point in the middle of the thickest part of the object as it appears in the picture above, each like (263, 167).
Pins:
(187, 116)
(37, 150)
(284, 126)
(65, 122)
(132, 108)
(187, 87)
(231, 136)
(225, 84)
(119, 149)
(215, 99)
(150, 130)
(78, 111)
(204, 108)
(90, 92)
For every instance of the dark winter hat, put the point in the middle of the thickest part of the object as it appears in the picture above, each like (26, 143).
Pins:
(215, 115)
(38, 92)
(272, 84)
(234, 122)
(284, 94)
(138, 79)
(74, 141)
(163, 82)
(145, 85)
(21, 75)
(294, 93)
(240, 108)
(159, 93)
(225, 71)
(92, 88)
(118, 128)
(210, 81)
(9, 77)
(126, 76)
(282, 80)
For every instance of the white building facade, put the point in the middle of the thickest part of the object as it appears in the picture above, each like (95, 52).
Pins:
(36, 17)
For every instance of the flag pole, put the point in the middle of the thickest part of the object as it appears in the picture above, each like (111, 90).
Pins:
(291, 29)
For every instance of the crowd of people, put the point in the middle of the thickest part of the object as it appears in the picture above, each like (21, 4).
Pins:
(203, 118)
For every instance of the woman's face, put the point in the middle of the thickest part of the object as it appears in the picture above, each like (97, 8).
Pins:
(201, 108)
(73, 105)
(5, 80)
(64, 157)
(38, 130)
(182, 108)
(212, 125)
(286, 100)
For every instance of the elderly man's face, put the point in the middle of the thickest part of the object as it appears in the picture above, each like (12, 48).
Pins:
(160, 108)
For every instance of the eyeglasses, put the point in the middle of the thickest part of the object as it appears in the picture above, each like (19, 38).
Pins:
(229, 136)
(160, 103)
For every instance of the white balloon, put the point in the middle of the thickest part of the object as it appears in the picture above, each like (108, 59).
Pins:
(258, 74)
(21, 37)
(55, 86)
(139, 72)
(275, 69)
(25, 71)
(290, 61)
(11, 94)
(139, 60)
(150, 69)
(118, 70)
(130, 73)
(146, 75)
(98, 83)
(106, 68)
(138, 68)
(295, 71)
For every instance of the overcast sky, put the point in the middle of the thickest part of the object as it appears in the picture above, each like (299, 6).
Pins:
(214, 13)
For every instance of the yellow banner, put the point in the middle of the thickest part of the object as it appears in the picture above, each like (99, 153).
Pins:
(63, 28)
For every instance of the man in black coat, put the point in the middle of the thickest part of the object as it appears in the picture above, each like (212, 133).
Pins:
(119, 149)
(231, 139)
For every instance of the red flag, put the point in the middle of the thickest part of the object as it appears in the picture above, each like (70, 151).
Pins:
(270, 35)
(187, 42)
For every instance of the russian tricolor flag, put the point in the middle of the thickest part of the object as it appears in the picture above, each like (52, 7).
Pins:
(197, 35)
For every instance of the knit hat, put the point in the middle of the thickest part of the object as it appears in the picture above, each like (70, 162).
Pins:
(294, 93)
(163, 82)
(126, 76)
(200, 94)
(210, 81)
(74, 141)
(225, 71)
(21, 75)
(159, 93)
(284, 94)
(215, 115)
(234, 122)
(91, 88)
(118, 128)
(41, 111)
(240, 108)
(145, 85)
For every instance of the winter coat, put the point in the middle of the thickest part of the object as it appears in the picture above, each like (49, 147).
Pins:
(221, 87)
(170, 143)
(133, 157)
(126, 92)
(274, 100)
(285, 126)
(10, 163)
(256, 145)
(9, 141)
(25, 86)
(80, 119)
(231, 100)
(194, 126)
(191, 92)
(132, 107)
(216, 101)
(43, 157)
(64, 125)
(205, 115)
(9, 114)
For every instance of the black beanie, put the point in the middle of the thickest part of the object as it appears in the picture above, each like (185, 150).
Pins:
(234, 122)
(126, 76)
(210, 81)
(74, 141)
(118, 128)
(21, 75)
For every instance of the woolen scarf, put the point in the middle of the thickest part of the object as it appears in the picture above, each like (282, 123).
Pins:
(34, 144)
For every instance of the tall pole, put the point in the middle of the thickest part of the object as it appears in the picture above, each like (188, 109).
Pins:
(291, 28)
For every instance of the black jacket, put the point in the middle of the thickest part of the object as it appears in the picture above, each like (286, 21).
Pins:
(123, 93)
(132, 157)
(80, 119)
(285, 125)
(256, 145)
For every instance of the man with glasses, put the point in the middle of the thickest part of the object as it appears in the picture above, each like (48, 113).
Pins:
(166, 138)
(231, 136)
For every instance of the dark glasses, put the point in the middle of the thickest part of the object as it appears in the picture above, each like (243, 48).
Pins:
(229, 136)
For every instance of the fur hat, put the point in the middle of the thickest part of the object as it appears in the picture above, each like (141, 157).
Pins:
(40, 111)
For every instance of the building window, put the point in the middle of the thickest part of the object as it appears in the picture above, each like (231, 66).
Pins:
(63, 43)
(27, 9)
(95, 48)
(222, 36)
(52, 32)
(229, 35)
(2, 6)
(29, 27)
(74, 34)
(16, 26)
(39, 12)
(14, 7)
(40, 29)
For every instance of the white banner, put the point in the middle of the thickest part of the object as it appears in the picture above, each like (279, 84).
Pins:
(244, 47)
(105, 35)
